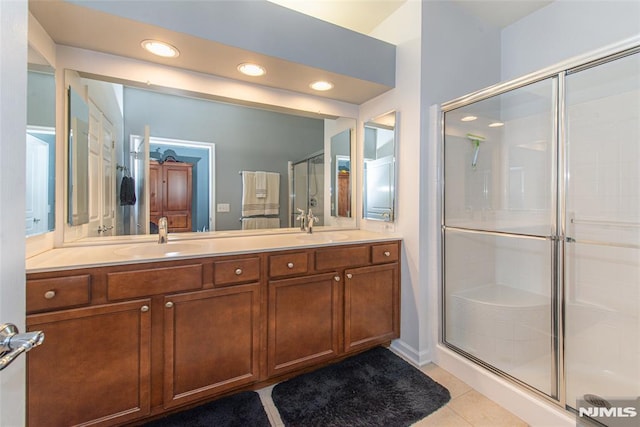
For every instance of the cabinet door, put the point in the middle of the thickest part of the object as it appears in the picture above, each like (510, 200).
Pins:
(177, 195)
(372, 301)
(155, 191)
(304, 321)
(93, 367)
(211, 342)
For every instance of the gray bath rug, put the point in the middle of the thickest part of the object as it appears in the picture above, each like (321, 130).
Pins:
(239, 410)
(375, 388)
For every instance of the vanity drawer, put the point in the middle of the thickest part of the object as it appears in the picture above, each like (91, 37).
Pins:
(139, 283)
(234, 271)
(384, 253)
(58, 292)
(352, 256)
(288, 264)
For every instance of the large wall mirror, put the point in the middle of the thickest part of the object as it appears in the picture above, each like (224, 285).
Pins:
(41, 142)
(205, 165)
(380, 141)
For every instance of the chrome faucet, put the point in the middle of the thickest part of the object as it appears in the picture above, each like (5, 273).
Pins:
(310, 220)
(300, 218)
(162, 230)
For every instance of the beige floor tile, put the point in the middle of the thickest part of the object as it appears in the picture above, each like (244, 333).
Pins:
(443, 417)
(480, 411)
(455, 386)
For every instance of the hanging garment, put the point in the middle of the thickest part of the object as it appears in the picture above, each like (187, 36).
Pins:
(127, 191)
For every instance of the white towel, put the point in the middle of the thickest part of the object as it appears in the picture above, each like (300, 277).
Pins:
(261, 184)
(272, 200)
(260, 222)
(254, 206)
(250, 204)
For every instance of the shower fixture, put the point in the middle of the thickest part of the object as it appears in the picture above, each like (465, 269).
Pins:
(475, 141)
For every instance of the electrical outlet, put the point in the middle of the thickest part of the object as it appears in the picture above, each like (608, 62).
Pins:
(223, 207)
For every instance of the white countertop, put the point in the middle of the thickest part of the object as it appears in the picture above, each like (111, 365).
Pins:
(138, 252)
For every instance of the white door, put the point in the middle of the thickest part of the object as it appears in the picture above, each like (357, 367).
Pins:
(95, 170)
(108, 175)
(36, 181)
(379, 188)
(13, 122)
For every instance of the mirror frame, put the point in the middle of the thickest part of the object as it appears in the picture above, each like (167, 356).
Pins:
(382, 121)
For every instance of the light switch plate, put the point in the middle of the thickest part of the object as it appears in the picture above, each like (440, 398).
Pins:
(222, 207)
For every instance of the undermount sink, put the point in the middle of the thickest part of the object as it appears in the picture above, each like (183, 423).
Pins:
(323, 237)
(156, 249)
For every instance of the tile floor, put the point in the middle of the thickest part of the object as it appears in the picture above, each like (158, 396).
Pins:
(466, 408)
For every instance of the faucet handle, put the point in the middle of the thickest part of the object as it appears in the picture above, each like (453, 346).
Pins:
(300, 214)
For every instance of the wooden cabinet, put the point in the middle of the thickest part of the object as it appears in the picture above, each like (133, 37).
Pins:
(304, 322)
(93, 368)
(316, 317)
(133, 341)
(371, 306)
(211, 342)
(170, 194)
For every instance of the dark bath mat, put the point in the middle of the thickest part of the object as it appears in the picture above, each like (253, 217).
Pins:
(239, 410)
(375, 388)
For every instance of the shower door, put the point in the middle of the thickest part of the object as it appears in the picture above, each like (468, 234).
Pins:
(308, 188)
(602, 255)
(499, 233)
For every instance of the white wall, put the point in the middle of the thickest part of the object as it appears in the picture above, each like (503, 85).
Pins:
(403, 30)
(564, 29)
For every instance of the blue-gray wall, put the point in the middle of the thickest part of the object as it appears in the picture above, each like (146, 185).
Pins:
(245, 139)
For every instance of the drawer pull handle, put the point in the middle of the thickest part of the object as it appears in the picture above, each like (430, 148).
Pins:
(144, 308)
(169, 304)
(336, 278)
(49, 294)
(238, 271)
(387, 253)
(349, 275)
(290, 265)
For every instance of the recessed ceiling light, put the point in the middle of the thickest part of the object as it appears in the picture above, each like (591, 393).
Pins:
(496, 124)
(160, 48)
(253, 70)
(321, 85)
(468, 118)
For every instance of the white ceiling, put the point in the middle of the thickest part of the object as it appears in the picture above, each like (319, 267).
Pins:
(364, 15)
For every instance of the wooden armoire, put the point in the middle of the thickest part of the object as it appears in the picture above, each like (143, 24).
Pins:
(170, 194)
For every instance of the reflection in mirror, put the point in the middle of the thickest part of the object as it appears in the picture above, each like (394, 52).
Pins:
(341, 174)
(78, 191)
(203, 164)
(41, 141)
(379, 168)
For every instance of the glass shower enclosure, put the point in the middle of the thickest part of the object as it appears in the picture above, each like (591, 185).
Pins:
(541, 230)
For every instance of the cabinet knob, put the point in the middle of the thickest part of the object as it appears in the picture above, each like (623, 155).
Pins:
(238, 271)
(144, 308)
(336, 278)
(349, 275)
(168, 304)
(387, 253)
(49, 294)
(290, 265)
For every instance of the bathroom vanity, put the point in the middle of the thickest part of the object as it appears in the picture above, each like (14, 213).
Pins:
(130, 339)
